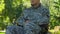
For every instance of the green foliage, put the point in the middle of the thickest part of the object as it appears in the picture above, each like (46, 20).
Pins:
(13, 8)
(55, 13)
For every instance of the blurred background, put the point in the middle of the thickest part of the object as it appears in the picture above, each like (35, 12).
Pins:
(10, 10)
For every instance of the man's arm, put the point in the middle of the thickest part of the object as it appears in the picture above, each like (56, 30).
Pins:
(44, 23)
(22, 18)
(46, 16)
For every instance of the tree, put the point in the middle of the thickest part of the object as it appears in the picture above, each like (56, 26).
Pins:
(55, 13)
(12, 9)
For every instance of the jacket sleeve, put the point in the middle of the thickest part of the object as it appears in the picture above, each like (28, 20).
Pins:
(46, 17)
(21, 19)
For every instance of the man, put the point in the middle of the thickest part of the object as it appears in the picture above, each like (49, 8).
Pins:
(34, 20)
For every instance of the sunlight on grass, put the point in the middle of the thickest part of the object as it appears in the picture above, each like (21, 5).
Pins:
(53, 32)
(2, 33)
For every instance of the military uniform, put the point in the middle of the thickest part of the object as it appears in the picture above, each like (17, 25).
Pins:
(34, 20)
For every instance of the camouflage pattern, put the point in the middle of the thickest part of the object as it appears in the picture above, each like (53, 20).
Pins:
(14, 30)
(31, 18)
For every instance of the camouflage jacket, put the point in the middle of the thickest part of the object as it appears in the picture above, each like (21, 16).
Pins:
(39, 15)
(35, 17)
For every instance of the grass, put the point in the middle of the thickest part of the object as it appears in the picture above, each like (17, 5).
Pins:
(52, 32)
(2, 33)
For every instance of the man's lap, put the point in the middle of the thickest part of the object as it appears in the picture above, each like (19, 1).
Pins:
(14, 30)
